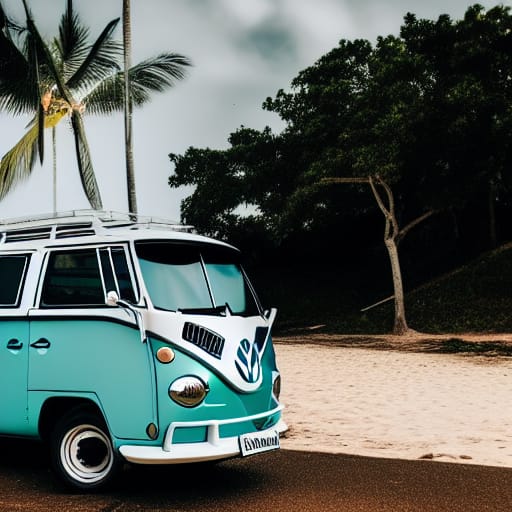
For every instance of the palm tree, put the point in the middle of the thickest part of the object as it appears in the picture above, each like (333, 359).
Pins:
(128, 107)
(68, 78)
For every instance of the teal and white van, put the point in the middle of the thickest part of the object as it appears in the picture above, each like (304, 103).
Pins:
(130, 339)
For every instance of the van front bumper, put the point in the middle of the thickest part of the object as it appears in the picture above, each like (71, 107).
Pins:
(214, 448)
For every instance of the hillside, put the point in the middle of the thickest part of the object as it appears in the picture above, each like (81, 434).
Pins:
(476, 297)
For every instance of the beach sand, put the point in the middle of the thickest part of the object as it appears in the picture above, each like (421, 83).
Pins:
(396, 403)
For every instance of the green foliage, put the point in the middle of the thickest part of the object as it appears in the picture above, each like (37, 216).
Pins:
(257, 170)
(428, 111)
(475, 298)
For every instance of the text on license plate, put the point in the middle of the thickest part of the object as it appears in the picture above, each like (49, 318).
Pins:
(257, 442)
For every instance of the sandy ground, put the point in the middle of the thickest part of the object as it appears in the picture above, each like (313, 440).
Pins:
(396, 403)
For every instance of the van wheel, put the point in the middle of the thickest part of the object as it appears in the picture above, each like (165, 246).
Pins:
(81, 451)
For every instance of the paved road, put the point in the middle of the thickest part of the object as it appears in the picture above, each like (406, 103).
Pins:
(278, 481)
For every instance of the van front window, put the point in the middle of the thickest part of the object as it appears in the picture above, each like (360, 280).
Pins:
(195, 278)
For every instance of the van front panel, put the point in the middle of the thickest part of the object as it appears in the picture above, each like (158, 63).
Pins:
(222, 402)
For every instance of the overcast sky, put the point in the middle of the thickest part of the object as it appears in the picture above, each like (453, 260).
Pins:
(242, 52)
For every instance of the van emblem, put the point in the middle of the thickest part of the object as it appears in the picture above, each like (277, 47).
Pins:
(247, 361)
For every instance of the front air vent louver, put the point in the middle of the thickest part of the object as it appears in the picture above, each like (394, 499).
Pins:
(203, 338)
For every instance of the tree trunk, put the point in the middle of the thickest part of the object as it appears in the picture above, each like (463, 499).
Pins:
(128, 108)
(400, 323)
(392, 235)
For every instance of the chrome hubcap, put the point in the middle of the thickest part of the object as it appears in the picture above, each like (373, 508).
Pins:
(86, 453)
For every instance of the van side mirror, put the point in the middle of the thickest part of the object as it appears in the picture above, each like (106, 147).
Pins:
(114, 300)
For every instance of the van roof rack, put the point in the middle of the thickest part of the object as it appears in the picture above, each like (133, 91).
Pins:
(79, 223)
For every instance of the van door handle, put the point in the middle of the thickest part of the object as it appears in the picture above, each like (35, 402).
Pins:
(14, 344)
(41, 343)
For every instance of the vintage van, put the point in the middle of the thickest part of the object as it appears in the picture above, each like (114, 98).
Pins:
(127, 339)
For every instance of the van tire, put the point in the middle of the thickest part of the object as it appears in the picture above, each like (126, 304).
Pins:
(81, 451)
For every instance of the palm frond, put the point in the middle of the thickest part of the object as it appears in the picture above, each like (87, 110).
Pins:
(72, 41)
(43, 72)
(155, 74)
(83, 157)
(107, 97)
(43, 66)
(17, 94)
(8, 25)
(40, 135)
(101, 62)
(17, 164)
(159, 73)
(3, 18)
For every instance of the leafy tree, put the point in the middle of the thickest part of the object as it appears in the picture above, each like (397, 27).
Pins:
(256, 171)
(428, 111)
(67, 78)
(423, 117)
(467, 121)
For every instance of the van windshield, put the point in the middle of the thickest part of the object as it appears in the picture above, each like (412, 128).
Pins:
(195, 278)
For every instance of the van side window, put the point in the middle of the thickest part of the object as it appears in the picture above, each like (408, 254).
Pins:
(123, 277)
(116, 273)
(73, 278)
(12, 272)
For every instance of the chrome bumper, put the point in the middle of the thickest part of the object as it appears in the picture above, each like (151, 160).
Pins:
(214, 448)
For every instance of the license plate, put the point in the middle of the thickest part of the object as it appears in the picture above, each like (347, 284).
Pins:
(257, 442)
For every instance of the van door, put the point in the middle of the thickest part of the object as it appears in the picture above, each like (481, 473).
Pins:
(82, 347)
(14, 339)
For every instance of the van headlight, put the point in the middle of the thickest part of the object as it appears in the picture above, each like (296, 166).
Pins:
(188, 391)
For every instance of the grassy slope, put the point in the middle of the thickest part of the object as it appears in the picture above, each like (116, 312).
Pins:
(475, 298)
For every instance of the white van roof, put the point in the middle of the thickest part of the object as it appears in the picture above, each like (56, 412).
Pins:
(95, 225)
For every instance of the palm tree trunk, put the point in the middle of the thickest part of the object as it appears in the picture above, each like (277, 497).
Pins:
(130, 173)
(54, 155)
